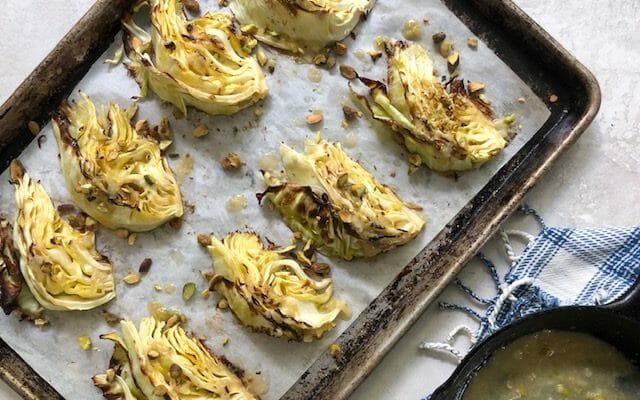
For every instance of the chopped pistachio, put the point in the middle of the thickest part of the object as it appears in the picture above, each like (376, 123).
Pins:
(350, 113)
(204, 239)
(145, 266)
(445, 48)
(231, 161)
(192, 6)
(375, 55)
(475, 86)
(472, 42)
(225, 340)
(453, 61)
(131, 278)
(188, 291)
(33, 126)
(340, 48)
(314, 118)
(85, 342)
(200, 131)
(438, 37)
(348, 72)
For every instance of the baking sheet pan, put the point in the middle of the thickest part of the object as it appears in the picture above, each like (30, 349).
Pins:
(373, 332)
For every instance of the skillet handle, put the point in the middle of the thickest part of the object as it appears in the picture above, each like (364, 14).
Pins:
(629, 304)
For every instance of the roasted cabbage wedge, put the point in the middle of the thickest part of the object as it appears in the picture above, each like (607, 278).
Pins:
(204, 63)
(158, 362)
(114, 172)
(269, 290)
(447, 130)
(338, 205)
(300, 26)
(59, 264)
(14, 295)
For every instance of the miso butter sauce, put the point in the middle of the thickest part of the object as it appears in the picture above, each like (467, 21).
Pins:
(556, 365)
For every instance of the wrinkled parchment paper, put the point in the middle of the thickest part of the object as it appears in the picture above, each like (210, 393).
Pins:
(177, 258)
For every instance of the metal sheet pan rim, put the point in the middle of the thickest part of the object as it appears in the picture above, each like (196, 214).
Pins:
(329, 377)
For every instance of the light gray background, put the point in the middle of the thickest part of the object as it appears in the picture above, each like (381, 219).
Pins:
(595, 183)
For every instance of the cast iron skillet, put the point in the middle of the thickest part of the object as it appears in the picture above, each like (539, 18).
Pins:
(617, 323)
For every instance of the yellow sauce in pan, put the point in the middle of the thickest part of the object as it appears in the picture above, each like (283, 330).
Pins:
(556, 365)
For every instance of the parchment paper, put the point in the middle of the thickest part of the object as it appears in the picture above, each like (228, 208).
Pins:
(54, 352)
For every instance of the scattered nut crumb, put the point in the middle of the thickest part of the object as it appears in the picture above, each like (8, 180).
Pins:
(225, 340)
(231, 161)
(474, 87)
(438, 37)
(314, 118)
(145, 266)
(188, 290)
(445, 48)
(131, 278)
(192, 6)
(553, 98)
(85, 342)
(200, 131)
(157, 288)
(375, 55)
(131, 240)
(350, 113)
(258, 112)
(110, 318)
(340, 48)
(348, 72)
(425, 20)
(34, 128)
(320, 59)
(176, 223)
(334, 350)
(359, 54)
(204, 240)
(453, 61)
(522, 100)
(205, 294)
(472, 42)
(412, 30)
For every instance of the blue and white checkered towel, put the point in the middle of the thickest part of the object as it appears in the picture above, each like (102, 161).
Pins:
(559, 266)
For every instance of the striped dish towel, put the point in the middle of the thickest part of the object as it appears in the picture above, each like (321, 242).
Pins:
(558, 267)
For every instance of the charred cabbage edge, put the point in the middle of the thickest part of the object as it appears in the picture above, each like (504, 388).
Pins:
(59, 264)
(269, 291)
(114, 173)
(446, 130)
(204, 63)
(300, 26)
(338, 205)
(157, 362)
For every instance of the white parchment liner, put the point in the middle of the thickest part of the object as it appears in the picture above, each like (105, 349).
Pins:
(54, 352)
